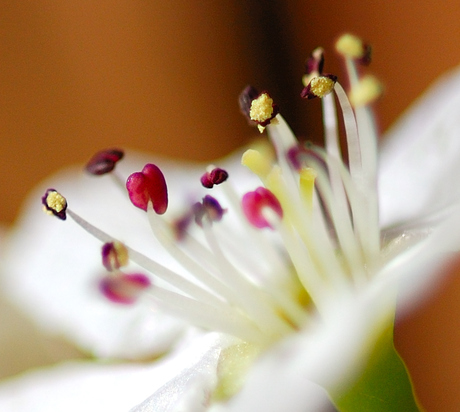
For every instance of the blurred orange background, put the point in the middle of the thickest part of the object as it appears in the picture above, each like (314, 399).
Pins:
(79, 76)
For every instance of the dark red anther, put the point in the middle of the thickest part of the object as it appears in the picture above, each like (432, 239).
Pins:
(315, 62)
(300, 156)
(104, 161)
(124, 288)
(214, 177)
(254, 203)
(55, 204)
(146, 186)
(245, 100)
(366, 59)
(114, 255)
(209, 208)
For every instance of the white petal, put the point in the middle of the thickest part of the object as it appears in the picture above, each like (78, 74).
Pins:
(93, 387)
(52, 267)
(419, 169)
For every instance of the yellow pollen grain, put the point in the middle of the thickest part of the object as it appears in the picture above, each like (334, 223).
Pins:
(56, 201)
(321, 86)
(307, 178)
(350, 46)
(261, 108)
(256, 163)
(366, 91)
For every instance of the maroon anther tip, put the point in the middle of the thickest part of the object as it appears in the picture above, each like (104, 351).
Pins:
(245, 100)
(209, 208)
(300, 156)
(104, 161)
(54, 203)
(146, 186)
(114, 255)
(214, 177)
(124, 288)
(366, 58)
(254, 203)
(315, 62)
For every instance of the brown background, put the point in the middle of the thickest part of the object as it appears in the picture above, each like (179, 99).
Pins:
(78, 76)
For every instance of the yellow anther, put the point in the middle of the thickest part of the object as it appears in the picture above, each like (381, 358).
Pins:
(56, 201)
(261, 110)
(321, 86)
(350, 46)
(256, 162)
(121, 253)
(366, 91)
(307, 185)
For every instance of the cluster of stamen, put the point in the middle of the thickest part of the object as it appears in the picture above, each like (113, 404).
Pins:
(323, 212)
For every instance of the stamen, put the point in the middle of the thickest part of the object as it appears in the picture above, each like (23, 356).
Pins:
(245, 99)
(215, 177)
(313, 65)
(146, 186)
(55, 204)
(256, 162)
(319, 86)
(263, 110)
(124, 288)
(366, 91)
(114, 255)
(104, 161)
(255, 202)
(209, 209)
(352, 47)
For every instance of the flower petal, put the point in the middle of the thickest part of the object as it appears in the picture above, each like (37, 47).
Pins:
(419, 167)
(52, 268)
(92, 386)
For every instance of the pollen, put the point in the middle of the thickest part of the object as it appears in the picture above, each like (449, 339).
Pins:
(261, 108)
(54, 204)
(350, 46)
(321, 86)
(366, 91)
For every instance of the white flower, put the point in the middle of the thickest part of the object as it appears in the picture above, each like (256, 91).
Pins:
(306, 302)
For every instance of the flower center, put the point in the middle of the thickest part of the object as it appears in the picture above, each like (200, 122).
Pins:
(310, 226)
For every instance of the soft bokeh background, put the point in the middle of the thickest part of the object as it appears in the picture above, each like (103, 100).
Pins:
(78, 76)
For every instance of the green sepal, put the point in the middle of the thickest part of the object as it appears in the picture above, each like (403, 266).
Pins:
(383, 386)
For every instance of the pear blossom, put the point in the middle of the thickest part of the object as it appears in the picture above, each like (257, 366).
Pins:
(294, 259)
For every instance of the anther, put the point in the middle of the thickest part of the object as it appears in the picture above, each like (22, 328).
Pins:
(124, 288)
(319, 86)
(254, 203)
(55, 204)
(104, 161)
(215, 177)
(146, 186)
(352, 47)
(256, 162)
(210, 209)
(114, 255)
(366, 91)
(315, 62)
(245, 99)
(263, 110)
